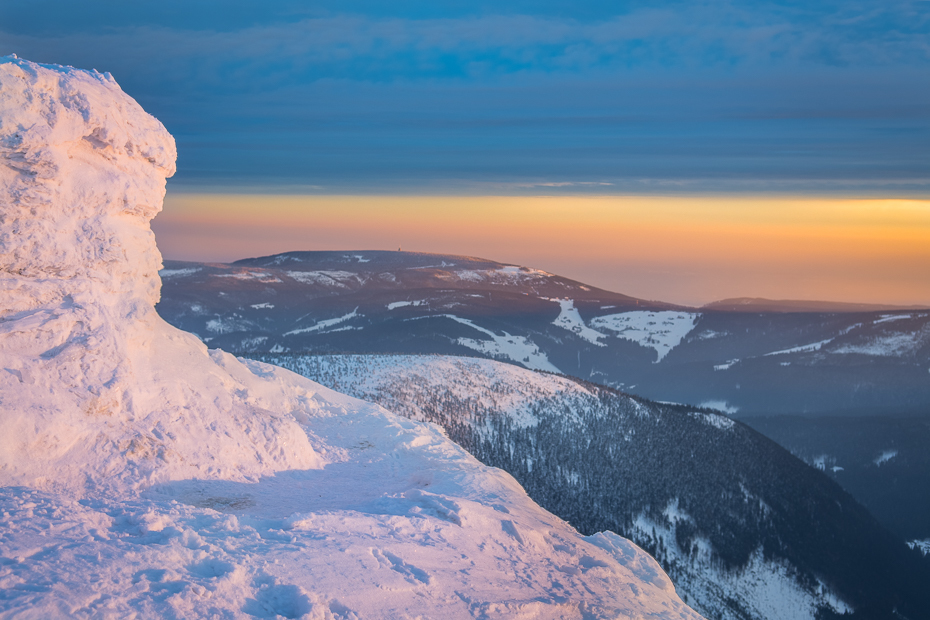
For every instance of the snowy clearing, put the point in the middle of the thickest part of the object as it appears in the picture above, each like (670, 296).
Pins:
(890, 345)
(516, 348)
(394, 305)
(324, 326)
(507, 273)
(662, 331)
(570, 319)
(719, 405)
(888, 319)
(171, 273)
(264, 277)
(714, 419)
(884, 457)
(325, 278)
(921, 545)
(804, 348)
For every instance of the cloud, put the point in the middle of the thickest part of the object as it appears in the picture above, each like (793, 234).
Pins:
(512, 92)
(360, 47)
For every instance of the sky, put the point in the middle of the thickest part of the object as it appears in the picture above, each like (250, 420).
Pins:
(748, 121)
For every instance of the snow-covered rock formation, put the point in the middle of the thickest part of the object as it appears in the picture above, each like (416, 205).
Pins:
(101, 386)
(143, 475)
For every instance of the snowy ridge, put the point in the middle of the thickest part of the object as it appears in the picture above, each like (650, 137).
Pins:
(506, 385)
(490, 407)
(143, 475)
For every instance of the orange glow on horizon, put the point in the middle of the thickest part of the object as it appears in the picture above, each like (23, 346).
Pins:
(688, 250)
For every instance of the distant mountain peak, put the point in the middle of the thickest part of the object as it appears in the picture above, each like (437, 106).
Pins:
(760, 304)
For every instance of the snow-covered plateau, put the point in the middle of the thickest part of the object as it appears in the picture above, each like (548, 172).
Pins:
(143, 475)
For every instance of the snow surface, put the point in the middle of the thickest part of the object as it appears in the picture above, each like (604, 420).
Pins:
(504, 387)
(142, 475)
(707, 334)
(887, 345)
(768, 587)
(394, 305)
(325, 325)
(884, 457)
(170, 273)
(662, 331)
(228, 325)
(326, 278)
(921, 545)
(714, 419)
(888, 319)
(570, 319)
(509, 273)
(265, 277)
(804, 348)
(516, 348)
(719, 405)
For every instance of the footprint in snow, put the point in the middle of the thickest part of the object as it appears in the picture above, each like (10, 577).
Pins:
(211, 568)
(386, 558)
(273, 600)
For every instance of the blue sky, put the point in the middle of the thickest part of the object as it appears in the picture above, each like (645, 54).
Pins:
(515, 97)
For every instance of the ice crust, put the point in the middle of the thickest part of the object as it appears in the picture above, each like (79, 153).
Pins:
(142, 475)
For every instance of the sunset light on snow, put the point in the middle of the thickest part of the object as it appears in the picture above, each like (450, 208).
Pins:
(471, 310)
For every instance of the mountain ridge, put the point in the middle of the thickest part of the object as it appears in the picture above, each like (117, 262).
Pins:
(703, 493)
(748, 363)
(730, 304)
(761, 304)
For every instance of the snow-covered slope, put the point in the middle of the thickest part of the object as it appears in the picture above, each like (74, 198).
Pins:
(143, 475)
(746, 530)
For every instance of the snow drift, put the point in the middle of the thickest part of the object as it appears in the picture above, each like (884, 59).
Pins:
(145, 475)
